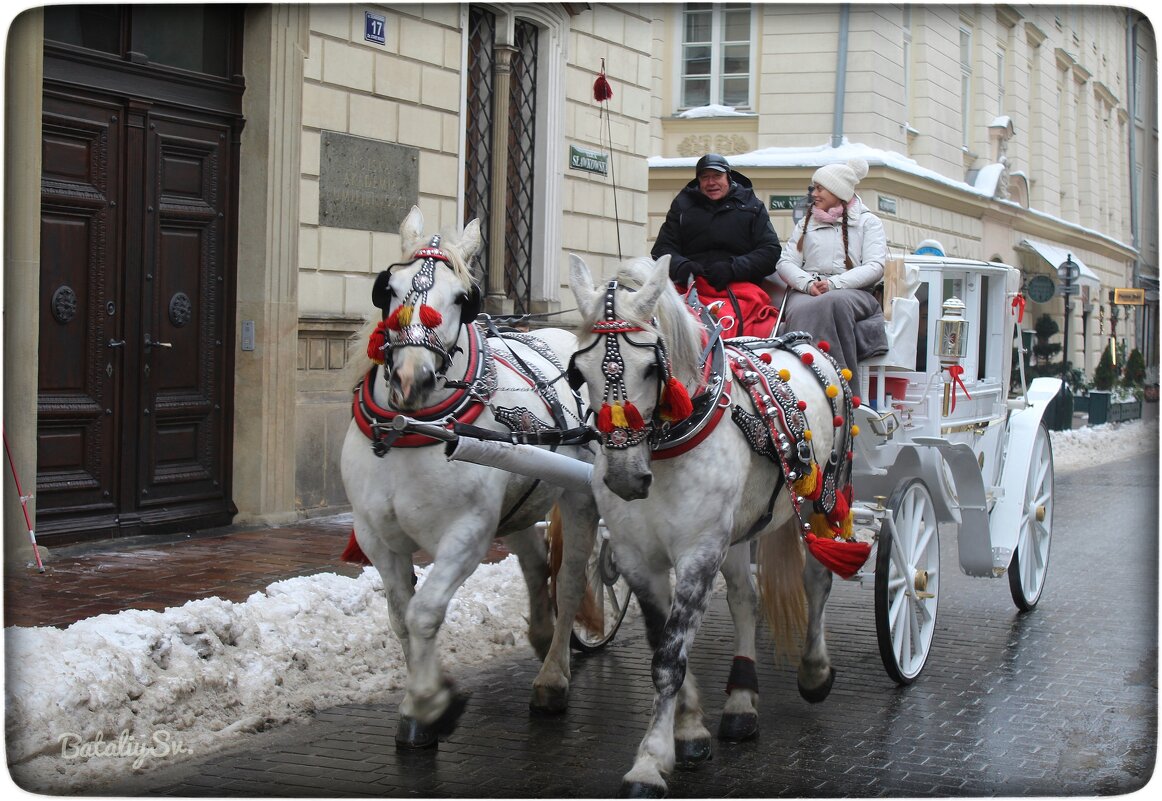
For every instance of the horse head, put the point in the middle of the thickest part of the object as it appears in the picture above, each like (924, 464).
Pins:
(427, 299)
(640, 355)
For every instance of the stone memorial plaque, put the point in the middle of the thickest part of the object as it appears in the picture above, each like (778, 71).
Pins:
(366, 184)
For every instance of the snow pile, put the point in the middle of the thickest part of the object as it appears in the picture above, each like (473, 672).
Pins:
(139, 689)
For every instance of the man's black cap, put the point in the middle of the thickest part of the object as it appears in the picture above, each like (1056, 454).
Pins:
(711, 161)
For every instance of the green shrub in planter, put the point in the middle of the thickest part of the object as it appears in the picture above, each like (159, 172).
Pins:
(1106, 373)
(1135, 372)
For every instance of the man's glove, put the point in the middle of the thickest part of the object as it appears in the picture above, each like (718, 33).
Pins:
(686, 269)
(719, 274)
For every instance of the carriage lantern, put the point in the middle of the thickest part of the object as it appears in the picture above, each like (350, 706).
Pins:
(951, 345)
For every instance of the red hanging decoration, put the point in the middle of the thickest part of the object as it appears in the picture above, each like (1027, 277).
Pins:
(605, 419)
(676, 404)
(823, 345)
(765, 358)
(807, 358)
(602, 91)
(353, 553)
(377, 342)
(392, 320)
(1019, 305)
(633, 417)
(956, 371)
(844, 558)
(429, 317)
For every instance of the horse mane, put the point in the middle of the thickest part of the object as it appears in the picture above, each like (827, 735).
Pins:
(679, 328)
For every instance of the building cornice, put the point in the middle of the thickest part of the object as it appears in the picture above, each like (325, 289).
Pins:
(1104, 92)
(1008, 16)
(1034, 35)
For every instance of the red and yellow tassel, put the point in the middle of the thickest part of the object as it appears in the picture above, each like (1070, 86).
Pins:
(676, 404)
(377, 342)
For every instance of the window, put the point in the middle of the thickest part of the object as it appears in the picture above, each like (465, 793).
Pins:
(1001, 80)
(965, 85)
(716, 54)
(907, 54)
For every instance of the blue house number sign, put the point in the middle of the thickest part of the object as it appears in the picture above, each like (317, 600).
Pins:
(374, 27)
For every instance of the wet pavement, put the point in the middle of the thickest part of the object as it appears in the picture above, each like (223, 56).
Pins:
(1061, 701)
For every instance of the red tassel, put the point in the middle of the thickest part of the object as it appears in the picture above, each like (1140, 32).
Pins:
(676, 401)
(633, 417)
(392, 321)
(429, 317)
(844, 558)
(376, 343)
(353, 553)
(602, 91)
(605, 419)
(839, 513)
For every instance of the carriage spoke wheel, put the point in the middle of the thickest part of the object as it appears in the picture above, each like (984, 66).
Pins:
(606, 599)
(1031, 556)
(907, 581)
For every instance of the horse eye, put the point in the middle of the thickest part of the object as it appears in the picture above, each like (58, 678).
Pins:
(651, 370)
(461, 299)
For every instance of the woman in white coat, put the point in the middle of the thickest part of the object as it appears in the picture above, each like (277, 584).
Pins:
(831, 263)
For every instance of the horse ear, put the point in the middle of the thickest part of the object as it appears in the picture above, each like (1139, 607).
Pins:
(411, 231)
(645, 300)
(470, 240)
(581, 282)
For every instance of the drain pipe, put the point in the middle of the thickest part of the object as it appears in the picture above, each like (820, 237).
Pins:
(840, 77)
(1131, 102)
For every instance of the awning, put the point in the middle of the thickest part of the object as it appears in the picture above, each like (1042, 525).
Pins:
(1056, 256)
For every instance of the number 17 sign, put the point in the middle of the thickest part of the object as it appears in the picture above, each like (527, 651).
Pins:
(374, 27)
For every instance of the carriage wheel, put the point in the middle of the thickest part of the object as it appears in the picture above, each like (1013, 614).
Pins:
(1031, 556)
(606, 601)
(907, 587)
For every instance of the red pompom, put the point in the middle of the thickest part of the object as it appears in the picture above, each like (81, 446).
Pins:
(808, 358)
(765, 358)
(802, 405)
(602, 91)
(429, 317)
(823, 345)
(855, 401)
(838, 421)
(676, 403)
(850, 455)
(376, 343)
(353, 553)
(392, 321)
(605, 419)
(844, 558)
(633, 417)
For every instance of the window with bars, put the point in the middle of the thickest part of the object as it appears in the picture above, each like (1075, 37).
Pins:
(716, 58)
(478, 142)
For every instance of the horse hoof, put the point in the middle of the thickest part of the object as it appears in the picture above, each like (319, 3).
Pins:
(549, 700)
(641, 790)
(738, 727)
(690, 754)
(816, 694)
(411, 735)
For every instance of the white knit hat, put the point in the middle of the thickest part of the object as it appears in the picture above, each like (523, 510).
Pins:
(840, 179)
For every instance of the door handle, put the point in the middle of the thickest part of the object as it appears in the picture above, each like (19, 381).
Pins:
(115, 343)
(151, 344)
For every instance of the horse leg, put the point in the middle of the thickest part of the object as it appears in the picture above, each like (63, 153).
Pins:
(740, 719)
(431, 706)
(579, 521)
(529, 547)
(816, 675)
(656, 755)
(398, 576)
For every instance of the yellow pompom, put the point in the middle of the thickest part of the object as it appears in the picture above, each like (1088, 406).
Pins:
(807, 435)
(785, 374)
(405, 315)
(846, 374)
(832, 390)
(855, 431)
(618, 413)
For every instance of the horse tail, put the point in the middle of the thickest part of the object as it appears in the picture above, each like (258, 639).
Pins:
(780, 563)
(588, 615)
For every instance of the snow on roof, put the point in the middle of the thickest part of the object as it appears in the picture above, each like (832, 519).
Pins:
(826, 154)
(713, 111)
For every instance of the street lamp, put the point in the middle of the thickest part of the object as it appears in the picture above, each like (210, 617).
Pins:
(1068, 272)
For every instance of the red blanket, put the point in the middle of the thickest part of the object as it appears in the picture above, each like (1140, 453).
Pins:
(741, 301)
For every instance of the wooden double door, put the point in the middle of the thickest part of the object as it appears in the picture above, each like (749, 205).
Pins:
(138, 242)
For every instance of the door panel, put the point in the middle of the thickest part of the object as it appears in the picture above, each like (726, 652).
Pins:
(80, 309)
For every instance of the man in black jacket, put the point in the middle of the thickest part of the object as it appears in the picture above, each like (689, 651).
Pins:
(718, 229)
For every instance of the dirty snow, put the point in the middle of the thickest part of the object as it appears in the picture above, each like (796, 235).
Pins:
(141, 690)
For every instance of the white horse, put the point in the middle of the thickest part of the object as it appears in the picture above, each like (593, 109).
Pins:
(438, 367)
(683, 488)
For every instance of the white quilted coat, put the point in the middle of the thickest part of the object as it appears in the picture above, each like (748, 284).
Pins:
(822, 255)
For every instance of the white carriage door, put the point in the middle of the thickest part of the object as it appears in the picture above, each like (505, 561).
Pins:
(500, 155)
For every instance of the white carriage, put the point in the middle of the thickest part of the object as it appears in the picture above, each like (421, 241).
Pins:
(949, 446)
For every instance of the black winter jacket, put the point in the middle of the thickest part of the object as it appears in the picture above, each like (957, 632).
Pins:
(736, 229)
